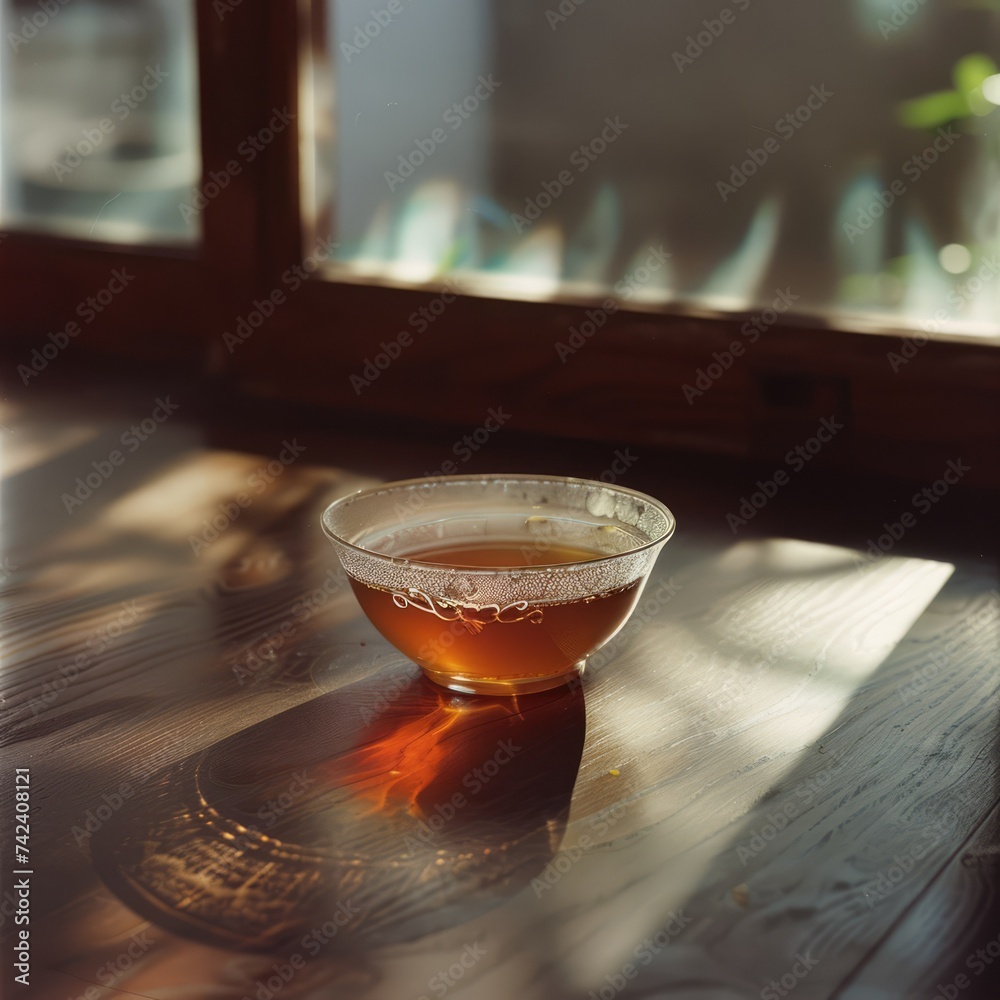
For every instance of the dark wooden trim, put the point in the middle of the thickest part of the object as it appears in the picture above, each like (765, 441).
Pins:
(281, 228)
(181, 296)
(626, 383)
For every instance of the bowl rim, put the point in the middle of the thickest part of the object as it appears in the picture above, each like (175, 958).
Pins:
(540, 568)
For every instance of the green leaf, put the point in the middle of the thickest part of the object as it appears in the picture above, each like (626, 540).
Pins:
(969, 73)
(933, 110)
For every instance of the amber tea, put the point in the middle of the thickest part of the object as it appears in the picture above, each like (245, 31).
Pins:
(508, 646)
(500, 584)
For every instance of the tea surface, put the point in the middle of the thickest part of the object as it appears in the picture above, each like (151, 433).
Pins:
(543, 639)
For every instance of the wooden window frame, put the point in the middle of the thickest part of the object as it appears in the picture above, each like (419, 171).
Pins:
(625, 385)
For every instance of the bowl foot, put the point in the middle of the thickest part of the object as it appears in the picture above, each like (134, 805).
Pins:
(455, 680)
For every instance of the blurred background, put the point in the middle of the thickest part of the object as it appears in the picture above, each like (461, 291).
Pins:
(484, 187)
(99, 118)
(698, 98)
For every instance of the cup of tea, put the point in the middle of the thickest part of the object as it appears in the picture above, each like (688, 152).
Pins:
(499, 584)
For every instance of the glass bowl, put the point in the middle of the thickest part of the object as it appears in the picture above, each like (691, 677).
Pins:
(500, 584)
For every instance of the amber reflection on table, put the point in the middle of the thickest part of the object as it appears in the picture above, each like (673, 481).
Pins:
(394, 818)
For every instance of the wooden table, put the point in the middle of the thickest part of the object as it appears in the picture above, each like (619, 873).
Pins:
(779, 779)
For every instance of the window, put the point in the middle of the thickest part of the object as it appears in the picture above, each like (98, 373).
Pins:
(99, 118)
(840, 159)
(575, 210)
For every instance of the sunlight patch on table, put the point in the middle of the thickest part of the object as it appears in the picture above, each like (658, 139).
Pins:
(750, 665)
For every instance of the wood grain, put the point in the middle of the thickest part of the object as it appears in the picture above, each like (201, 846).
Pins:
(779, 765)
(958, 916)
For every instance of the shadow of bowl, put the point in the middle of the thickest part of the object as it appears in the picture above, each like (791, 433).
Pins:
(372, 815)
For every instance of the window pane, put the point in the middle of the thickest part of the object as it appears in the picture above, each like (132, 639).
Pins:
(98, 118)
(839, 161)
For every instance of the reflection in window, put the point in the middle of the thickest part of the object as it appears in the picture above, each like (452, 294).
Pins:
(842, 157)
(98, 118)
